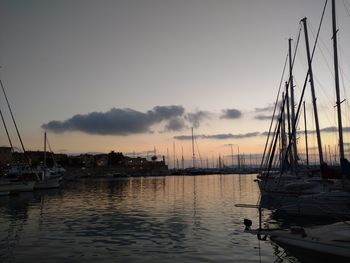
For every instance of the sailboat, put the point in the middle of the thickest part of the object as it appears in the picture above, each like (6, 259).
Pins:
(334, 201)
(48, 177)
(19, 177)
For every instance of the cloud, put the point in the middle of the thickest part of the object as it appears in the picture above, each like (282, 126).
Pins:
(331, 129)
(175, 124)
(262, 117)
(270, 107)
(117, 121)
(222, 136)
(231, 114)
(195, 118)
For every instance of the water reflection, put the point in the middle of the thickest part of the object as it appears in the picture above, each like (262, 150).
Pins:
(164, 219)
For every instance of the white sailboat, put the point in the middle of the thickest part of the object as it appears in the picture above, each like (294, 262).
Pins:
(329, 243)
(48, 177)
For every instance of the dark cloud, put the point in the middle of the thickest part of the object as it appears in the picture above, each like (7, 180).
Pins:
(262, 117)
(265, 133)
(116, 121)
(175, 124)
(231, 114)
(195, 118)
(267, 108)
(331, 129)
(221, 136)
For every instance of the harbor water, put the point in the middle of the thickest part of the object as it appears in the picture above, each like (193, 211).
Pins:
(143, 219)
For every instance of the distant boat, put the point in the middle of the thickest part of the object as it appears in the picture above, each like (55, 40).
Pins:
(48, 177)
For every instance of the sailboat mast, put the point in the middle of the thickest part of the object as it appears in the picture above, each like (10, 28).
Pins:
(193, 156)
(306, 142)
(283, 137)
(311, 79)
(289, 129)
(182, 158)
(174, 155)
(336, 77)
(44, 155)
(292, 104)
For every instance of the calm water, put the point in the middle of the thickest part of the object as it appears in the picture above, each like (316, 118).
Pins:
(167, 219)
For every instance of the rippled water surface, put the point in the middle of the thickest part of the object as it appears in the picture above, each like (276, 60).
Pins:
(162, 219)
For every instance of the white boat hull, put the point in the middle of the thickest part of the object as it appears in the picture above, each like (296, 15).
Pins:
(307, 249)
(48, 183)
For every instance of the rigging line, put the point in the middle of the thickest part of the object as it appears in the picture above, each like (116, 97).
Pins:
(296, 46)
(346, 8)
(325, 60)
(342, 72)
(48, 143)
(345, 94)
(199, 154)
(323, 89)
(274, 111)
(13, 119)
(275, 142)
(321, 41)
(7, 132)
(268, 155)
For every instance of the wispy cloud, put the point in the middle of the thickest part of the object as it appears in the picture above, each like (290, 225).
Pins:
(262, 117)
(220, 136)
(331, 129)
(231, 114)
(119, 121)
(270, 107)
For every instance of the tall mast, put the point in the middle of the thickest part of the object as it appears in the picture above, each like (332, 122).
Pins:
(193, 156)
(167, 157)
(292, 104)
(336, 77)
(238, 158)
(182, 158)
(174, 157)
(44, 155)
(289, 129)
(311, 78)
(283, 136)
(306, 143)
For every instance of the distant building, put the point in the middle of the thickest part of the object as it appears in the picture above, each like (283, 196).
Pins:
(5, 155)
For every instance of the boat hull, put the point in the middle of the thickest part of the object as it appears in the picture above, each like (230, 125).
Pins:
(48, 183)
(313, 251)
(16, 186)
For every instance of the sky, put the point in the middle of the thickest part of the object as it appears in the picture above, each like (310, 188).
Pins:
(136, 75)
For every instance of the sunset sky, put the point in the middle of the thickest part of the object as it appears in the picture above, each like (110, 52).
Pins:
(135, 75)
